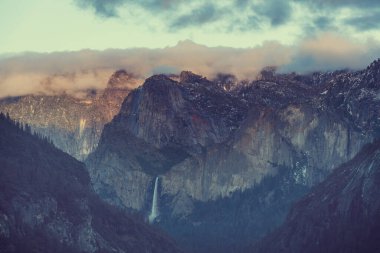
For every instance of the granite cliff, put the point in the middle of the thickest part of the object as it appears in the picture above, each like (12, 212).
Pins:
(211, 145)
(73, 124)
(230, 157)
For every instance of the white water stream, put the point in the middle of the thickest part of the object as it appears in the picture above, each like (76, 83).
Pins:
(154, 211)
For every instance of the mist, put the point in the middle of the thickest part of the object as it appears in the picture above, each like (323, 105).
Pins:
(74, 72)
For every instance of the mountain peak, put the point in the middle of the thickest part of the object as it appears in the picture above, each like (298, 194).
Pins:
(190, 77)
(159, 86)
(267, 73)
(119, 79)
(372, 74)
(374, 64)
(158, 80)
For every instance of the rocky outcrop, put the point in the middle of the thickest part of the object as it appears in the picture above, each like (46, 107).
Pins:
(207, 143)
(161, 126)
(47, 203)
(73, 124)
(342, 214)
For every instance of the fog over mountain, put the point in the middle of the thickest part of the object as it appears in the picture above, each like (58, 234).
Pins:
(76, 71)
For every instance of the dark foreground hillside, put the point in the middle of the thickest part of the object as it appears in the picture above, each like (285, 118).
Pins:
(342, 214)
(47, 203)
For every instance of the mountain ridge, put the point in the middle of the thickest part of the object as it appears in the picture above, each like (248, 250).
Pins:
(212, 143)
(339, 215)
(227, 142)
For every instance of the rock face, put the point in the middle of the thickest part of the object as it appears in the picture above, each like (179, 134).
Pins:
(227, 154)
(342, 214)
(208, 145)
(73, 124)
(47, 204)
(161, 126)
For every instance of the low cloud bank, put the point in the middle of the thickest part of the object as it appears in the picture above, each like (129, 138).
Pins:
(74, 72)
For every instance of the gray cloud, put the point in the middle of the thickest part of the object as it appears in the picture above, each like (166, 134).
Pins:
(331, 52)
(364, 4)
(109, 8)
(181, 14)
(178, 14)
(323, 22)
(319, 24)
(365, 22)
(201, 15)
(277, 11)
(102, 8)
(242, 3)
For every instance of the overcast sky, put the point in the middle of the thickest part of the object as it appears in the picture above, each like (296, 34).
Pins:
(87, 40)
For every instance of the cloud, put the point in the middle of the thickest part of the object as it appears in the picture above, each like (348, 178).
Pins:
(365, 22)
(242, 3)
(180, 14)
(323, 22)
(75, 72)
(74, 83)
(331, 52)
(109, 8)
(165, 70)
(241, 15)
(277, 11)
(102, 8)
(363, 4)
(201, 15)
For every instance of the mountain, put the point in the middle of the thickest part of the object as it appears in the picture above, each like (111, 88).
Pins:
(342, 214)
(47, 203)
(218, 163)
(226, 159)
(73, 124)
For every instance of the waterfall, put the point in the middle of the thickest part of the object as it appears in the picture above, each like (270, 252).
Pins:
(154, 211)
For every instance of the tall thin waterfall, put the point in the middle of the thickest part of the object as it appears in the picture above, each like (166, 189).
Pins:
(154, 212)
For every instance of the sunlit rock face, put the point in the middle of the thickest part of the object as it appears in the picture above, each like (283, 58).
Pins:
(73, 124)
(207, 143)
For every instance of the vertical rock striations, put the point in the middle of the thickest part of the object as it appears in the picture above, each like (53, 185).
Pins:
(73, 124)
